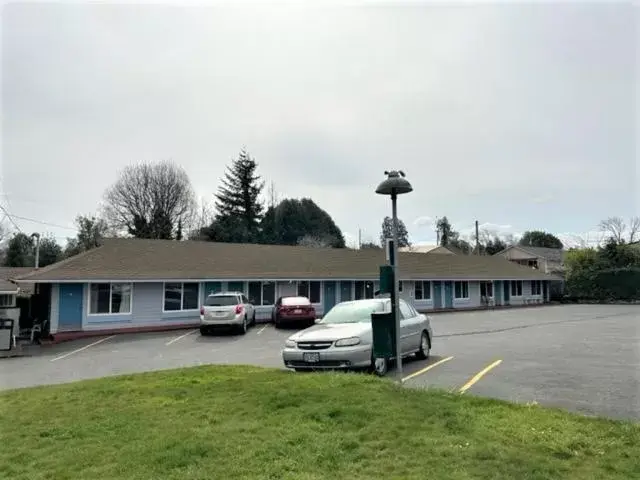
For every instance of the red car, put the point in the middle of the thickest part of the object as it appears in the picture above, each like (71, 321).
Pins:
(293, 310)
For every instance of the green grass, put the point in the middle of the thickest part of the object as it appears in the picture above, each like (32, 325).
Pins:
(243, 422)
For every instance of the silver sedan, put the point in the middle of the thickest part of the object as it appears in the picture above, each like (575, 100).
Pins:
(343, 338)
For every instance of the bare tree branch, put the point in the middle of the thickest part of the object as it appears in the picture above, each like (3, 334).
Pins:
(613, 227)
(634, 228)
(150, 199)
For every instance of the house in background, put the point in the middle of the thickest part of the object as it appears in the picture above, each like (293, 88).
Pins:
(547, 260)
(13, 298)
(429, 249)
(135, 284)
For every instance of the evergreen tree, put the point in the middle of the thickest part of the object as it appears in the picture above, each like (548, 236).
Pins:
(538, 238)
(446, 231)
(20, 251)
(387, 232)
(239, 198)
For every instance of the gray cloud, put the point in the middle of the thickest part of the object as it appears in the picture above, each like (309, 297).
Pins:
(484, 107)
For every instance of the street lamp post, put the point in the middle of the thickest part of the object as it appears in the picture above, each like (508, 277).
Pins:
(395, 185)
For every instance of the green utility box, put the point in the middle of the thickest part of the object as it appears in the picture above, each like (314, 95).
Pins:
(386, 279)
(383, 332)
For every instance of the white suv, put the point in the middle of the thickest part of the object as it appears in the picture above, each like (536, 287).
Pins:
(228, 309)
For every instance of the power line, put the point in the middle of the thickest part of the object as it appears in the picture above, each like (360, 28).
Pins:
(37, 221)
(7, 214)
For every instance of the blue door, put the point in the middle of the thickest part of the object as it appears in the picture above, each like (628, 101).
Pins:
(345, 291)
(497, 285)
(70, 307)
(507, 290)
(329, 296)
(448, 294)
(437, 295)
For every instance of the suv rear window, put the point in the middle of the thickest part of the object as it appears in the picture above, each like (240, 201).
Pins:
(221, 300)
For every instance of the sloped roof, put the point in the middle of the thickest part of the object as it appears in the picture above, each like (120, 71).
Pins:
(9, 273)
(551, 254)
(149, 260)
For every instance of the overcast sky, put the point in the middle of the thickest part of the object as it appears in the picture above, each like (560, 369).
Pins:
(522, 117)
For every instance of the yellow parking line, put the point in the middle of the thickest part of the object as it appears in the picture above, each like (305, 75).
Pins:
(426, 369)
(478, 376)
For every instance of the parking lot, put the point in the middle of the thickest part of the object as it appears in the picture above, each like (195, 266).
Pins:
(582, 358)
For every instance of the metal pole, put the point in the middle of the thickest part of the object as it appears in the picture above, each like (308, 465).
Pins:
(37, 262)
(396, 305)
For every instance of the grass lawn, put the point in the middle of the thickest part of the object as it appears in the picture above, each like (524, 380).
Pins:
(222, 423)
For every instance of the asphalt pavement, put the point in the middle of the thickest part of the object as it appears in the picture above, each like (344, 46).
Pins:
(584, 358)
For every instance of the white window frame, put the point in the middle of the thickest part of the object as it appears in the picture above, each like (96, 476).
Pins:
(164, 291)
(11, 300)
(261, 299)
(462, 282)
(111, 284)
(515, 283)
(422, 283)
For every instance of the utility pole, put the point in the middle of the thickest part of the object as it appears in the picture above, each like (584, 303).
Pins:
(477, 239)
(359, 238)
(37, 237)
(437, 232)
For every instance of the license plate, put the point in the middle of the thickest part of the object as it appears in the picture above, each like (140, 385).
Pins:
(311, 357)
(297, 310)
(220, 314)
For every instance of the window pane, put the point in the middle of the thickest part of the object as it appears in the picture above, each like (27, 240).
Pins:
(458, 289)
(220, 300)
(255, 292)
(303, 289)
(359, 290)
(426, 290)
(99, 297)
(417, 290)
(120, 298)
(400, 286)
(465, 289)
(404, 310)
(314, 292)
(190, 299)
(489, 287)
(172, 296)
(268, 293)
(295, 301)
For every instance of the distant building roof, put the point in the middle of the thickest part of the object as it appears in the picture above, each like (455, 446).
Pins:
(550, 254)
(428, 249)
(7, 274)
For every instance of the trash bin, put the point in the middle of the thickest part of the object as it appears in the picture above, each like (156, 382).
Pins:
(383, 333)
(6, 333)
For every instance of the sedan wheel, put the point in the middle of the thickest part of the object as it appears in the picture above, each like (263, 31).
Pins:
(424, 350)
(380, 366)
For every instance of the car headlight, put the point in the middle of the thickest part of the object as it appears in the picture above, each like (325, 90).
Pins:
(290, 344)
(347, 342)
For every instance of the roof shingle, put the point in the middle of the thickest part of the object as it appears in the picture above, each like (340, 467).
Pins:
(148, 260)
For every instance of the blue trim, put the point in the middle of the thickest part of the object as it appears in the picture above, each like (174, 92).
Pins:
(71, 302)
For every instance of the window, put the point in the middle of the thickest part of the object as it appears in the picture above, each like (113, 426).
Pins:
(221, 300)
(536, 287)
(7, 300)
(405, 310)
(262, 293)
(422, 290)
(311, 290)
(109, 298)
(255, 293)
(461, 290)
(516, 288)
(486, 289)
(400, 285)
(181, 296)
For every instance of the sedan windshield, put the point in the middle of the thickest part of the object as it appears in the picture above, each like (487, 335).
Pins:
(353, 312)
(221, 300)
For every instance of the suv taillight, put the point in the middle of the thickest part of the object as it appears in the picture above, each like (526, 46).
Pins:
(239, 309)
(201, 310)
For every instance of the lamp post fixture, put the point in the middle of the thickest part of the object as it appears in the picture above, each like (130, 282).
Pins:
(395, 185)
